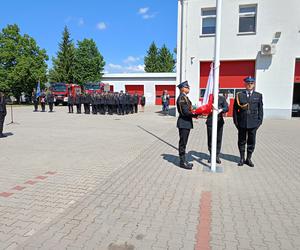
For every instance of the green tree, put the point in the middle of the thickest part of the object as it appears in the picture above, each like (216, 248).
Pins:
(166, 60)
(63, 64)
(89, 63)
(151, 59)
(22, 62)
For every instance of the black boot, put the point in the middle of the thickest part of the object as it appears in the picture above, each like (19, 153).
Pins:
(218, 159)
(248, 160)
(2, 135)
(242, 159)
(184, 164)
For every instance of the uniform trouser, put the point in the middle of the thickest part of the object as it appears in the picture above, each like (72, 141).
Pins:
(51, 106)
(94, 109)
(219, 137)
(78, 106)
(183, 139)
(246, 136)
(43, 106)
(36, 106)
(135, 108)
(99, 108)
(87, 109)
(2, 117)
(70, 108)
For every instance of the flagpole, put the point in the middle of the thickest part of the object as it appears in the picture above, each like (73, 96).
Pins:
(216, 85)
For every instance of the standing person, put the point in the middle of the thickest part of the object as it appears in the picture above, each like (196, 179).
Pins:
(247, 117)
(3, 113)
(50, 100)
(122, 102)
(222, 109)
(131, 103)
(143, 102)
(35, 100)
(165, 99)
(70, 102)
(43, 101)
(94, 103)
(135, 102)
(78, 100)
(184, 122)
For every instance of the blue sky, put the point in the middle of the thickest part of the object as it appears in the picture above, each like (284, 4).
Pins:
(122, 29)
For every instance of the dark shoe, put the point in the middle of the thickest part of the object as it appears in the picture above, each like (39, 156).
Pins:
(185, 165)
(218, 160)
(242, 159)
(249, 163)
(3, 135)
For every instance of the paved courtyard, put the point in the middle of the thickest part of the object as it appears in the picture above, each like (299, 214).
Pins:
(72, 181)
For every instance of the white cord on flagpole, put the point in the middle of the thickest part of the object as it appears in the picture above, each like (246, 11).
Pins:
(216, 86)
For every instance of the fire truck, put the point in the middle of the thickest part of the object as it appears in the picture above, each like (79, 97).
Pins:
(90, 88)
(61, 91)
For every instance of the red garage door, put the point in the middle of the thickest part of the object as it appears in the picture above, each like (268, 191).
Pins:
(232, 74)
(111, 88)
(297, 72)
(159, 91)
(132, 89)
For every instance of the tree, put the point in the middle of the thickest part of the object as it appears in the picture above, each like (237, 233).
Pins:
(89, 63)
(151, 60)
(22, 62)
(159, 60)
(166, 60)
(63, 64)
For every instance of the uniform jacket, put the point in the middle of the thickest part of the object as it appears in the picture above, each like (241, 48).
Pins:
(222, 104)
(184, 108)
(248, 112)
(136, 98)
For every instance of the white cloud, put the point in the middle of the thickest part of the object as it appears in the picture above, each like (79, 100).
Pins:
(117, 68)
(131, 59)
(101, 26)
(147, 16)
(143, 11)
(80, 21)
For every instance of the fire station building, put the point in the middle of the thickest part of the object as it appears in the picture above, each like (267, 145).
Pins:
(151, 85)
(258, 37)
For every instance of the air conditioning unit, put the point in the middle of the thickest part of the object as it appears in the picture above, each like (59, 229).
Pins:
(268, 49)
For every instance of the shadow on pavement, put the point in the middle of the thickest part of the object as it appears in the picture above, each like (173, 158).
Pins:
(174, 159)
(232, 158)
(171, 112)
(199, 157)
(157, 137)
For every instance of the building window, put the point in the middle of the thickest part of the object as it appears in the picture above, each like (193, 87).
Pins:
(208, 21)
(247, 19)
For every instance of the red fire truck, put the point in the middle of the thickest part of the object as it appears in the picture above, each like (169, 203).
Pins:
(90, 88)
(61, 91)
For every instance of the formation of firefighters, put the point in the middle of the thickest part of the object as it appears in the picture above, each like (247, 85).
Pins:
(120, 103)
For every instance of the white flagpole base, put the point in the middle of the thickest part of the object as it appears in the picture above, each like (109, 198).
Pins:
(219, 169)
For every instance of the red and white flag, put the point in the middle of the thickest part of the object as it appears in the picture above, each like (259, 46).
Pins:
(206, 105)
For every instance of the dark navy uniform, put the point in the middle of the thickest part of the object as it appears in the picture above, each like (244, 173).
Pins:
(222, 104)
(70, 103)
(35, 100)
(136, 102)
(3, 113)
(184, 124)
(78, 101)
(50, 101)
(247, 117)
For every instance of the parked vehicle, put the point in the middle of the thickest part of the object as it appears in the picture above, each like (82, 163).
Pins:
(61, 91)
(90, 88)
